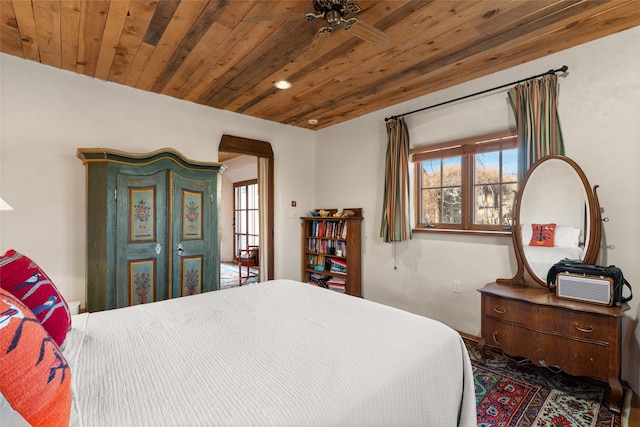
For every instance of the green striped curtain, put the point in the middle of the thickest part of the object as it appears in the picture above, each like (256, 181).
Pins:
(534, 104)
(395, 210)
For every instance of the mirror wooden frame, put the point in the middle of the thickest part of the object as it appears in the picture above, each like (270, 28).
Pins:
(525, 275)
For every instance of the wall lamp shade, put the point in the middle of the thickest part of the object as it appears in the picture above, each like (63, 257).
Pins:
(4, 206)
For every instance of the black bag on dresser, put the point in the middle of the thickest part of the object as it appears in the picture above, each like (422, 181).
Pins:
(571, 279)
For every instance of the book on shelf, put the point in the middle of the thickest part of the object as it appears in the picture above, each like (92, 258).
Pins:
(336, 284)
(338, 266)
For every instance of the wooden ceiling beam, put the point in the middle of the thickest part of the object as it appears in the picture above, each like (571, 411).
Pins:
(10, 42)
(183, 19)
(222, 58)
(191, 39)
(69, 33)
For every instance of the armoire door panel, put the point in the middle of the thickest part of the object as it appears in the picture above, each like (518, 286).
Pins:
(141, 244)
(195, 259)
(141, 281)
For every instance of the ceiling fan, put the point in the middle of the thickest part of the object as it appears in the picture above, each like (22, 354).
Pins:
(336, 14)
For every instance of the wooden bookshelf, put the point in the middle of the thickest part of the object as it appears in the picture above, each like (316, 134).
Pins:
(331, 248)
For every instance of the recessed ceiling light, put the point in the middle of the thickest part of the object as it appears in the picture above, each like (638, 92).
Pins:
(283, 84)
(313, 121)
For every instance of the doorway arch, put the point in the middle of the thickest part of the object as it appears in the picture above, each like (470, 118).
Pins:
(262, 150)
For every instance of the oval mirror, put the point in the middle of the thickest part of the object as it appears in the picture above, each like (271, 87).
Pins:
(556, 216)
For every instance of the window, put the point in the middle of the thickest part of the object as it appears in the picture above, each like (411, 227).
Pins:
(246, 219)
(466, 185)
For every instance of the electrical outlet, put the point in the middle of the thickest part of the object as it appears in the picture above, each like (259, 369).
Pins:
(456, 287)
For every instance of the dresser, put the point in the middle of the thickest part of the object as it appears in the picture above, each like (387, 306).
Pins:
(581, 339)
(152, 226)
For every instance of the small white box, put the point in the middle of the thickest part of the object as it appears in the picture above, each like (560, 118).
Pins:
(74, 307)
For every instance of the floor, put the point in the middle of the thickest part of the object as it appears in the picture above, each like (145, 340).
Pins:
(229, 276)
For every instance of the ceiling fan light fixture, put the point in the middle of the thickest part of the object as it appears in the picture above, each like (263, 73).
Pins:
(283, 84)
(333, 17)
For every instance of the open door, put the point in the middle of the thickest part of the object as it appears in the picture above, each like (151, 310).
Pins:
(262, 150)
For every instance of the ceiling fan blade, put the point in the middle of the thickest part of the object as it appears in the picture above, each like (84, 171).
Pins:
(363, 4)
(317, 43)
(292, 16)
(367, 32)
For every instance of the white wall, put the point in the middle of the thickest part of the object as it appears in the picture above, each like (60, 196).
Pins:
(599, 109)
(48, 113)
(242, 168)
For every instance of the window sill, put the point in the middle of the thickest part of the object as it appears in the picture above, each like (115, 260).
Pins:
(506, 233)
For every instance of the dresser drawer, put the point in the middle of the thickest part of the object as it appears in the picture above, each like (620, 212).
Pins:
(511, 339)
(544, 349)
(541, 318)
(574, 357)
(573, 324)
(508, 310)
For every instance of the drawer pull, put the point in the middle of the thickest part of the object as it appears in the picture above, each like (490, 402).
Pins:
(591, 328)
(497, 310)
(494, 337)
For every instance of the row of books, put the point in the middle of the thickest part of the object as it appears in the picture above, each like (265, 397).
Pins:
(334, 265)
(329, 229)
(330, 247)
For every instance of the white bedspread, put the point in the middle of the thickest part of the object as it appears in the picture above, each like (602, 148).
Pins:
(273, 353)
(542, 258)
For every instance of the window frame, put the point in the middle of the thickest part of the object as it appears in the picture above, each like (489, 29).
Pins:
(247, 238)
(466, 150)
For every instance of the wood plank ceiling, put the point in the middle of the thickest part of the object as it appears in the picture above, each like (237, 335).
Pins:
(213, 53)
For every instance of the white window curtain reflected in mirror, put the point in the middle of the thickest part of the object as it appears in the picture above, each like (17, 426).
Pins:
(4, 206)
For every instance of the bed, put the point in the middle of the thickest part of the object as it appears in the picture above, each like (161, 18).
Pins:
(566, 243)
(274, 353)
(541, 259)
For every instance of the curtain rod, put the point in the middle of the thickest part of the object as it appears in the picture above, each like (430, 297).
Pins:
(562, 69)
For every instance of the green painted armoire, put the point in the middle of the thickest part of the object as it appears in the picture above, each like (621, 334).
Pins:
(152, 227)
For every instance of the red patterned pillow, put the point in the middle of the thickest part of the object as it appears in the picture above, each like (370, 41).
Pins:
(34, 375)
(23, 278)
(542, 235)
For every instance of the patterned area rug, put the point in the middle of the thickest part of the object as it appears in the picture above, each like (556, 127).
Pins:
(512, 392)
(229, 276)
